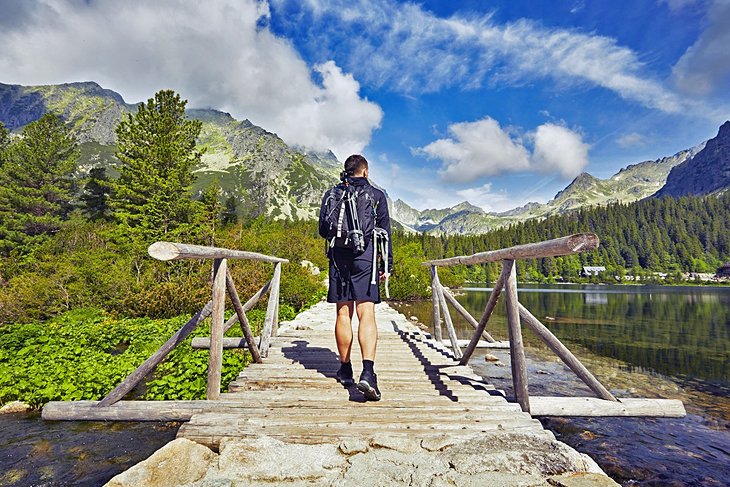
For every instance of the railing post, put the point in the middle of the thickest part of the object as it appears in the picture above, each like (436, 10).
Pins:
(516, 347)
(215, 360)
(435, 300)
(488, 310)
(271, 311)
(447, 318)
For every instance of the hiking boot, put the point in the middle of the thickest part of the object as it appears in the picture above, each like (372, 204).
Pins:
(368, 385)
(344, 376)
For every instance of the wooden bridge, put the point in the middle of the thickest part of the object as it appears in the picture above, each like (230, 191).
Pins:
(429, 391)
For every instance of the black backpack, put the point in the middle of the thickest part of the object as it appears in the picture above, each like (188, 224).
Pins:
(347, 216)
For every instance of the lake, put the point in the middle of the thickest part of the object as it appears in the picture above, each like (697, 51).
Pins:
(639, 341)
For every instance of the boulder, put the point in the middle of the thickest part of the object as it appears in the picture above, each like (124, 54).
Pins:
(180, 462)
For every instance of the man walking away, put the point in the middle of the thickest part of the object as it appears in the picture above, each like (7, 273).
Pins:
(354, 219)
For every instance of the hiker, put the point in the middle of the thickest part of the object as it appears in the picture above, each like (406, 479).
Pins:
(354, 219)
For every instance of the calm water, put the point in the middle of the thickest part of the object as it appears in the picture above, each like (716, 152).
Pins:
(671, 342)
(34, 452)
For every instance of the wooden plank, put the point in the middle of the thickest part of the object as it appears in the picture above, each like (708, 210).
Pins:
(517, 349)
(148, 365)
(502, 344)
(215, 358)
(595, 407)
(435, 305)
(565, 355)
(271, 310)
(228, 342)
(184, 410)
(488, 310)
(465, 314)
(571, 244)
(248, 306)
(177, 251)
(447, 317)
(241, 314)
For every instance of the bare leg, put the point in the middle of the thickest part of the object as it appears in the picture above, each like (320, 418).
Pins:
(367, 333)
(343, 329)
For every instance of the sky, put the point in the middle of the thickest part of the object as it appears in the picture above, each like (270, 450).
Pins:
(498, 102)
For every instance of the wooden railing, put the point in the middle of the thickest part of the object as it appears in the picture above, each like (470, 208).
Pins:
(572, 244)
(215, 308)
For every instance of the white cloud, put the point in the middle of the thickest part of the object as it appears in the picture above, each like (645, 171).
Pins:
(475, 150)
(704, 69)
(631, 140)
(478, 149)
(559, 149)
(484, 197)
(216, 54)
(411, 50)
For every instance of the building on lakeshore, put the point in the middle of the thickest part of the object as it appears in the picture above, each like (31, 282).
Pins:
(592, 270)
(723, 270)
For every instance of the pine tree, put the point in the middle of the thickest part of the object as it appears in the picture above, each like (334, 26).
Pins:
(36, 184)
(156, 147)
(4, 142)
(230, 213)
(96, 195)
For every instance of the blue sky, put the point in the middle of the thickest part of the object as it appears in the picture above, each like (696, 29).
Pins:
(498, 102)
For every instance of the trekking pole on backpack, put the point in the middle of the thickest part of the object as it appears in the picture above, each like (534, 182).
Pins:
(380, 246)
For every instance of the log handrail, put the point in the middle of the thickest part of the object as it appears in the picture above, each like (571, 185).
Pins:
(178, 251)
(572, 244)
(222, 284)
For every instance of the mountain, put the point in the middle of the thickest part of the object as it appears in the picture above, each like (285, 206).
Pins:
(631, 183)
(706, 173)
(255, 166)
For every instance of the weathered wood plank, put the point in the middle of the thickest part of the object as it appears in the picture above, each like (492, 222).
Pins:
(595, 407)
(517, 349)
(241, 314)
(215, 357)
(465, 314)
(228, 342)
(435, 305)
(248, 306)
(271, 311)
(565, 355)
(177, 251)
(488, 310)
(572, 244)
(447, 317)
(148, 365)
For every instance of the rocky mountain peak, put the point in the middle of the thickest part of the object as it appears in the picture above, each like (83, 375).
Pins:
(705, 173)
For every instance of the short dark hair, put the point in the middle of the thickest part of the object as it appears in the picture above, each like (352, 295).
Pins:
(355, 164)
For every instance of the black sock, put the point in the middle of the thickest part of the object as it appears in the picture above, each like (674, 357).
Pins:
(367, 365)
(346, 366)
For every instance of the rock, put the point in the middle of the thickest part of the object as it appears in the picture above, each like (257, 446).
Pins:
(15, 407)
(180, 462)
(588, 435)
(413, 318)
(491, 358)
(396, 443)
(501, 479)
(267, 460)
(313, 269)
(437, 443)
(544, 372)
(353, 445)
(581, 479)
(499, 363)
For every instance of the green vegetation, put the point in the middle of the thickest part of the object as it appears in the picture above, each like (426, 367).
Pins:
(35, 183)
(641, 239)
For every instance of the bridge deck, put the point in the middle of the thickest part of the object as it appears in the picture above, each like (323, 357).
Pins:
(294, 395)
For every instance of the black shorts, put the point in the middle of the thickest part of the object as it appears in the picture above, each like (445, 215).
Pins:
(350, 276)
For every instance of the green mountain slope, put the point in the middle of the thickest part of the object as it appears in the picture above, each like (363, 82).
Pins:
(256, 167)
